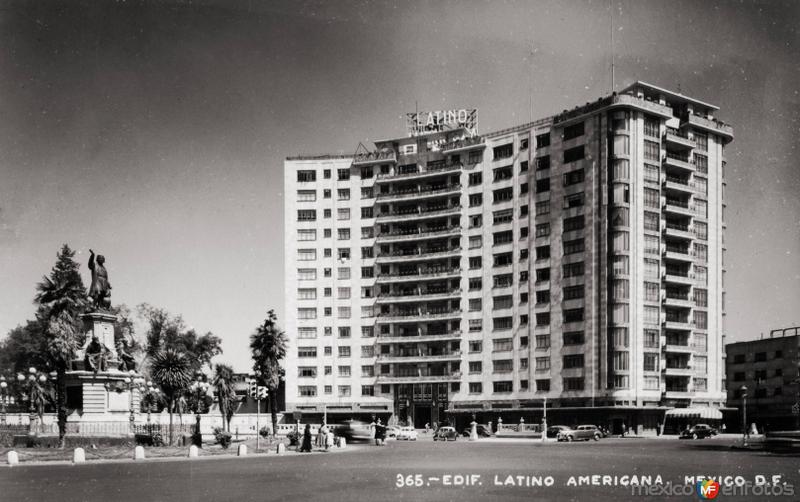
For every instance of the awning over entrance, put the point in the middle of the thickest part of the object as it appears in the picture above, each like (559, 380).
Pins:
(698, 412)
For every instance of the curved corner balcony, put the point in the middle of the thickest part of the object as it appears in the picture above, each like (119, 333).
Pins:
(711, 125)
(418, 255)
(439, 273)
(419, 315)
(678, 139)
(419, 357)
(419, 234)
(450, 377)
(420, 193)
(679, 161)
(363, 159)
(463, 145)
(421, 214)
(419, 297)
(425, 337)
(427, 172)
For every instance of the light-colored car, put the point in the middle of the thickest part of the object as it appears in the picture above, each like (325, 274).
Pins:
(392, 431)
(407, 433)
(580, 433)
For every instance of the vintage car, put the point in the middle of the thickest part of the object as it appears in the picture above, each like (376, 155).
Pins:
(407, 433)
(445, 434)
(580, 433)
(698, 431)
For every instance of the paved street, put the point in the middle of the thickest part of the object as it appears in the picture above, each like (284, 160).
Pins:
(364, 472)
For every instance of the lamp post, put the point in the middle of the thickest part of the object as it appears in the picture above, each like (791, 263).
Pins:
(3, 399)
(133, 382)
(35, 391)
(544, 419)
(743, 391)
(199, 391)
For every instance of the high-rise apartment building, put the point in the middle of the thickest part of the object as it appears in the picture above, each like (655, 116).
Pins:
(576, 260)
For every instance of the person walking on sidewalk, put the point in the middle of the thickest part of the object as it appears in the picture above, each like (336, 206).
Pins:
(306, 447)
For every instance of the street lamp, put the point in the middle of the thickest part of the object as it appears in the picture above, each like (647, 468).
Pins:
(133, 382)
(199, 392)
(35, 392)
(3, 399)
(743, 392)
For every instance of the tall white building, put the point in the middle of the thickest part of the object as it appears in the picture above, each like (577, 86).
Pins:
(578, 258)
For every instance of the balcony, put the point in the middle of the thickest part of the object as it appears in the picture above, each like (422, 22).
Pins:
(678, 230)
(419, 297)
(423, 173)
(419, 357)
(681, 186)
(367, 158)
(677, 393)
(464, 145)
(418, 234)
(419, 255)
(711, 125)
(450, 377)
(678, 371)
(678, 324)
(682, 301)
(678, 276)
(678, 253)
(419, 214)
(438, 273)
(429, 337)
(678, 139)
(420, 193)
(678, 349)
(678, 207)
(419, 315)
(679, 162)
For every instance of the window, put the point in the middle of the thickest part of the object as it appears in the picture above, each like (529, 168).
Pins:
(307, 294)
(306, 352)
(574, 223)
(543, 385)
(502, 324)
(344, 371)
(502, 344)
(307, 390)
(700, 320)
(573, 177)
(652, 150)
(543, 230)
(542, 252)
(307, 313)
(503, 194)
(475, 179)
(652, 221)
(619, 289)
(542, 274)
(306, 176)
(542, 363)
(701, 297)
(503, 302)
(523, 166)
(503, 173)
(503, 151)
(543, 140)
(328, 352)
(306, 235)
(475, 346)
(503, 281)
(701, 140)
(573, 131)
(474, 262)
(367, 371)
(542, 341)
(343, 234)
(475, 241)
(367, 331)
(619, 265)
(573, 361)
(651, 126)
(367, 232)
(326, 174)
(652, 291)
(474, 304)
(306, 195)
(542, 163)
(367, 390)
(542, 207)
(523, 363)
(523, 144)
(344, 391)
(652, 199)
(344, 351)
(573, 154)
(573, 315)
(650, 361)
(475, 283)
(306, 274)
(475, 199)
(651, 244)
(573, 269)
(343, 174)
(326, 193)
(367, 212)
(574, 200)
(542, 185)
(475, 325)
(574, 246)
(573, 338)
(701, 230)
(503, 387)
(367, 192)
(543, 319)
(343, 194)
(475, 367)
(573, 292)
(366, 172)
(651, 173)
(475, 387)
(343, 213)
(326, 233)
(573, 383)
(344, 312)
(503, 259)
(343, 272)
(307, 371)
(504, 216)
(620, 241)
(503, 237)
(619, 313)
(306, 215)
(304, 332)
(475, 157)
(475, 221)
(701, 163)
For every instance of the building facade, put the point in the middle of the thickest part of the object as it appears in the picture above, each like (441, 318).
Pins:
(769, 368)
(575, 261)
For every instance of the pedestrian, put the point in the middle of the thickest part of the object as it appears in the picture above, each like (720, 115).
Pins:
(427, 427)
(329, 441)
(723, 428)
(306, 446)
(378, 435)
(624, 429)
(322, 437)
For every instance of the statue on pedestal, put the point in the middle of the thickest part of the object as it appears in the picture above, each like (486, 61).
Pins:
(96, 356)
(100, 290)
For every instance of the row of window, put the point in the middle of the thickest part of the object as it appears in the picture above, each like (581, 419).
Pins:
(343, 390)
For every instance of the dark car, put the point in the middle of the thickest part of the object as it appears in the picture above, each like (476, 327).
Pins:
(699, 431)
(445, 434)
(483, 431)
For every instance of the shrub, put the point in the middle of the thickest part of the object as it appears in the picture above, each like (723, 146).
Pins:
(294, 438)
(265, 432)
(222, 437)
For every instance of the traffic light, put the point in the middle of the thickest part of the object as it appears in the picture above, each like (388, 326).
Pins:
(262, 392)
(253, 389)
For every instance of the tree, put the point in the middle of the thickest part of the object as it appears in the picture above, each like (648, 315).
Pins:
(226, 397)
(171, 371)
(268, 348)
(168, 331)
(23, 348)
(61, 298)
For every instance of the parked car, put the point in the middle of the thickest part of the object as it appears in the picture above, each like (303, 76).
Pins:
(445, 434)
(554, 430)
(482, 430)
(391, 432)
(407, 433)
(698, 431)
(580, 433)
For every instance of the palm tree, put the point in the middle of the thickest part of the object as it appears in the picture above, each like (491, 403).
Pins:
(172, 372)
(61, 298)
(268, 347)
(223, 382)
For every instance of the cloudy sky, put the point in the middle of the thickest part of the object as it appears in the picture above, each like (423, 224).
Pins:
(154, 132)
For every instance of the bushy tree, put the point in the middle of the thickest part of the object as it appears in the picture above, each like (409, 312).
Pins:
(226, 397)
(167, 331)
(268, 348)
(22, 348)
(61, 298)
(172, 372)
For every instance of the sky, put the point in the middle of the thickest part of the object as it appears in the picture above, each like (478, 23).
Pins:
(155, 132)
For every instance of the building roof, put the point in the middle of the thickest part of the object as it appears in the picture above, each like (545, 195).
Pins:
(672, 94)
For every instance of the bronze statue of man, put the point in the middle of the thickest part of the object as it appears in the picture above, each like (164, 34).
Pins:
(100, 290)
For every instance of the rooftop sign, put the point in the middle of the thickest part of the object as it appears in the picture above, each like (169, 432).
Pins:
(442, 120)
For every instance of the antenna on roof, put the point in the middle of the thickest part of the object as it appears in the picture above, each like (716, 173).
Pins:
(530, 88)
(611, 31)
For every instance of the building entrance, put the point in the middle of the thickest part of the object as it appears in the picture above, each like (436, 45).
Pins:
(421, 403)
